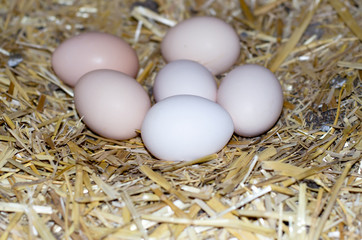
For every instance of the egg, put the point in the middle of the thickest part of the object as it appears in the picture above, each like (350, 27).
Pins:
(253, 97)
(184, 77)
(186, 127)
(90, 51)
(207, 40)
(111, 103)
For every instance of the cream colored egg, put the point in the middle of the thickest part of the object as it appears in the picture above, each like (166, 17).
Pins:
(111, 103)
(207, 40)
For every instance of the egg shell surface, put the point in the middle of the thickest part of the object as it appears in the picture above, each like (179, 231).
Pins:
(184, 77)
(111, 103)
(254, 98)
(90, 51)
(186, 127)
(207, 40)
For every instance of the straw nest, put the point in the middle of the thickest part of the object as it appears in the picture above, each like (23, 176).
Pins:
(300, 180)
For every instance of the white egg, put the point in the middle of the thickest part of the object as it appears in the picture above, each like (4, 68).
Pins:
(186, 127)
(184, 77)
(253, 97)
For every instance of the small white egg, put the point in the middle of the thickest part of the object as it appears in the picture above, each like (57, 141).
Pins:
(184, 77)
(186, 127)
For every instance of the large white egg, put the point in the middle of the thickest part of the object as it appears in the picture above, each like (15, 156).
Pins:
(253, 97)
(186, 127)
(184, 77)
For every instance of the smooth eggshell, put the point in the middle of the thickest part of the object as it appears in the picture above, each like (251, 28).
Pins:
(90, 51)
(253, 97)
(207, 40)
(184, 77)
(186, 127)
(111, 103)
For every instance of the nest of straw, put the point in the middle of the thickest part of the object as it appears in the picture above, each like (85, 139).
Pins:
(300, 180)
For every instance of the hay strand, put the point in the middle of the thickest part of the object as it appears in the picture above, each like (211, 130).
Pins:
(347, 17)
(284, 51)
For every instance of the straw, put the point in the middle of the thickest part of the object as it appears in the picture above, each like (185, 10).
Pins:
(299, 180)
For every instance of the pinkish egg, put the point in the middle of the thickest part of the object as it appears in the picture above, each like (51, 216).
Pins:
(90, 51)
